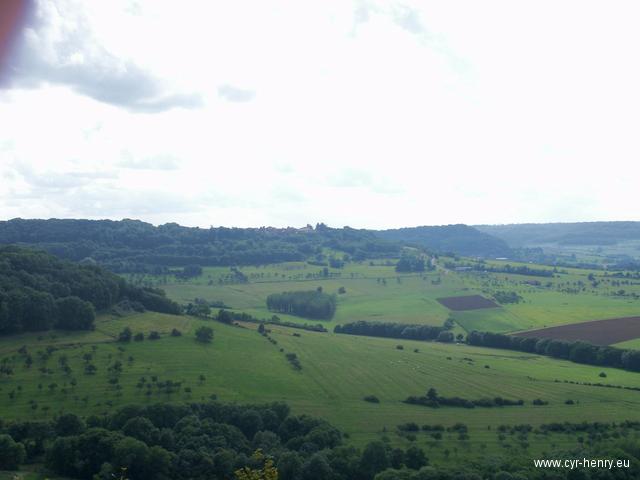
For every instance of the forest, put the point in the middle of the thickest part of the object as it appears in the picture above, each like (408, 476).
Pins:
(136, 246)
(39, 291)
(461, 239)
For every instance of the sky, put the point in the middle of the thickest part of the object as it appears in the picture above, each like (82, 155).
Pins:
(361, 113)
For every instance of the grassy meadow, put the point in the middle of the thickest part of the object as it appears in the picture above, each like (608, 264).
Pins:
(337, 372)
(377, 293)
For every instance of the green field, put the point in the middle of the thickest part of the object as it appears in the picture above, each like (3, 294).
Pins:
(378, 293)
(337, 372)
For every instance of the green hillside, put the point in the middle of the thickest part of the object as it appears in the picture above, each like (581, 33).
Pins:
(337, 372)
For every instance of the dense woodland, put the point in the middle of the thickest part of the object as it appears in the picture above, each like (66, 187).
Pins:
(584, 233)
(460, 239)
(135, 246)
(39, 291)
(308, 304)
(132, 245)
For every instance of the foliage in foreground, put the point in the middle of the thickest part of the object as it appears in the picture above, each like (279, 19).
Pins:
(209, 441)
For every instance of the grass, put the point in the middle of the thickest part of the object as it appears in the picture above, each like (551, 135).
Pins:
(377, 293)
(337, 372)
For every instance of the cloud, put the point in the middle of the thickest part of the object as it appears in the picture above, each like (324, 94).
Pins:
(50, 181)
(59, 47)
(409, 19)
(350, 178)
(158, 162)
(233, 94)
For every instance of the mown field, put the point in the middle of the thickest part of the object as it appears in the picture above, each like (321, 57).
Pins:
(337, 372)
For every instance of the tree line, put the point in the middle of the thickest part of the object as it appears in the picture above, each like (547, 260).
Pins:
(391, 330)
(578, 351)
(309, 304)
(510, 269)
(39, 291)
(434, 400)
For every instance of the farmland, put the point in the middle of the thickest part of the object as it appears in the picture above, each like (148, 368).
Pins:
(467, 302)
(375, 292)
(599, 332)
(337, 372)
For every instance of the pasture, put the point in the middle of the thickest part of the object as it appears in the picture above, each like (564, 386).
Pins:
(338, 371)
(375, 292)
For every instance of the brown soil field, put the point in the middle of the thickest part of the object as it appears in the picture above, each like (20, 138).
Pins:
(468, 302)
(598, 332)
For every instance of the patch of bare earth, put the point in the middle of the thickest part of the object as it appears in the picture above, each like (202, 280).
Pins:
(598, 332)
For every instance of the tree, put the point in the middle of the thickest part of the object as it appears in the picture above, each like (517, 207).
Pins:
(289, 466)
(316, 468)
(12, 453)
(374, 459)
(125, 335)
(432, 394)
(69, 424)
(142, 429)
(445, 337)
(204, 334)
(266, 472)
(582, 352)
(415, 458)
(631, 360)
(75, 314)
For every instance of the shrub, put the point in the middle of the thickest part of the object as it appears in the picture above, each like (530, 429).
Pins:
(399, 347)
(153, 335)
(176, 333)
(371, 399)
(138, 337)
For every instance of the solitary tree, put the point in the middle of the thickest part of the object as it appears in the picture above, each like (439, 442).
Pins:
(204, 334)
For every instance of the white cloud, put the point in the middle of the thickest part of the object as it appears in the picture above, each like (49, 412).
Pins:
(363, 113)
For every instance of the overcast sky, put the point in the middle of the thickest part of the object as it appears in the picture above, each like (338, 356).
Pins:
(364, 113)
